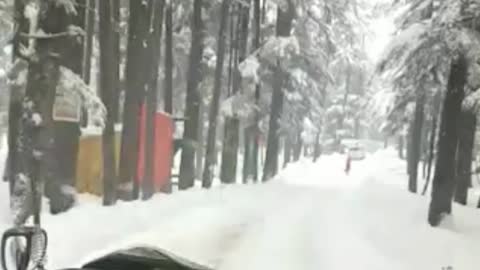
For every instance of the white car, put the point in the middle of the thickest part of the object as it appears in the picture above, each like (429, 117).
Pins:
(356, 152)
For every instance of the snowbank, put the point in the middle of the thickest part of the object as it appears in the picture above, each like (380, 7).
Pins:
(312, 217)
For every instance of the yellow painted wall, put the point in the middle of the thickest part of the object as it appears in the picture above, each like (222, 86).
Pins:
(90, 163)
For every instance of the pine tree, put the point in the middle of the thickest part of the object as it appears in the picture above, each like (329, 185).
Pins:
(187, 166)
(283, 29)
(137, 76)
(108, 83)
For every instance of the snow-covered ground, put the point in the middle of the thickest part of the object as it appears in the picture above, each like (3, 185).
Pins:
(312, 216)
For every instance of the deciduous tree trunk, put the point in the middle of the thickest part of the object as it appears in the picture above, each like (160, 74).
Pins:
(443, 180)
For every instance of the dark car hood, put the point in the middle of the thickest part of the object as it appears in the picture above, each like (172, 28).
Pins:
(143, 258)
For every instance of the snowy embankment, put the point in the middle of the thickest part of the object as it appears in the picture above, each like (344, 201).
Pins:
(312, 217)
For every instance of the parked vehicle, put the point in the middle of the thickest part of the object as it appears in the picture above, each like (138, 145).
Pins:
(357, 152)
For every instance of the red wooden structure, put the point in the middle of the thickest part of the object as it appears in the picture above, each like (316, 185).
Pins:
(163, 148)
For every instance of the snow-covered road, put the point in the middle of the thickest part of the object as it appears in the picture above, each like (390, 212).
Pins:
(312, 216)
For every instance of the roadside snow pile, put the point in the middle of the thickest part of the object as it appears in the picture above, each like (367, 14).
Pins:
(313, 217)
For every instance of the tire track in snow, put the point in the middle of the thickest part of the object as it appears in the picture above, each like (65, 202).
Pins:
(281, 241)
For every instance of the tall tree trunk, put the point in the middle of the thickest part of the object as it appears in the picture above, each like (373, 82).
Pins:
(137, 77)
(400, 146)
(264, 10)
(467, 127)
(168, 87)
(283, 29)
(88, 42)
(232, 49)
(67, 133)
(287, 151)
(155, 35)
(297, 152)
(424, 147)
(14, 106)
(256, 45)
(37, 162)
(416, 140)
(431, 154)
(228, 173)
(200, 154)
(433, 134)
(317, 150)
(443, 180)
(108, 82)
(214, 107)
(248, 159)
(251, 131)
(348, 78)
(408, 140)
(116, 60)
(168, 97)
(187, 166)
